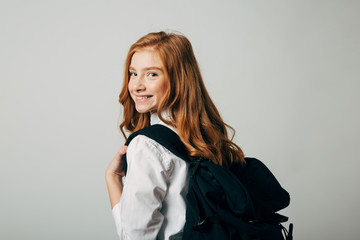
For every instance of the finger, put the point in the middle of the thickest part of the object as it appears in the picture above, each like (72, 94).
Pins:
(122, 150)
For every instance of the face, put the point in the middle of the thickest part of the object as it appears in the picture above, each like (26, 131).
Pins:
(147, 84)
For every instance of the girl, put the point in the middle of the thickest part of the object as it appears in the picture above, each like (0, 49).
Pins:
(163, 85)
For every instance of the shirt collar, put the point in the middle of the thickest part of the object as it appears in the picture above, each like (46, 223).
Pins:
(154, 118)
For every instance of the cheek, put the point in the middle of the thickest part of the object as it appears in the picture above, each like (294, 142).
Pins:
(162, 89)
(130, 86)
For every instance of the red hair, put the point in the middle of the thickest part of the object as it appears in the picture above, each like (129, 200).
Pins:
(193, 114)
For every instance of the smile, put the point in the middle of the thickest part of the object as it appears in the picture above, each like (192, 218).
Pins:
(142, 97)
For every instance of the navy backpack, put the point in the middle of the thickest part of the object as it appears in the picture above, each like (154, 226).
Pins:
(239, 203)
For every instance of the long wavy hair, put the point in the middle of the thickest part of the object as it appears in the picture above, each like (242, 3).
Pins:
(192, 112)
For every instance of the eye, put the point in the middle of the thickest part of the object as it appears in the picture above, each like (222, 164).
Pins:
(133, 74)
(152, 75)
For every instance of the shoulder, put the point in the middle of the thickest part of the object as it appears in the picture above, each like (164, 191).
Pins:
(143, 143)
(145, 151)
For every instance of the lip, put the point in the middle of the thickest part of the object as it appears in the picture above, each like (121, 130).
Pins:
(142, 97)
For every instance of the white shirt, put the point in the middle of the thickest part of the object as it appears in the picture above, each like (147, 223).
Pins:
(152, 204)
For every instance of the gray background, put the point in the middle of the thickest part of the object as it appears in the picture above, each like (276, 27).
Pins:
(284, 74)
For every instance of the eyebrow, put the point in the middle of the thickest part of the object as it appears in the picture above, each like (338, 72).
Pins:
(148, 68)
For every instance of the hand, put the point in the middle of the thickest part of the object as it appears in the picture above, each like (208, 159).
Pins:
(116, 166)
(113, 175)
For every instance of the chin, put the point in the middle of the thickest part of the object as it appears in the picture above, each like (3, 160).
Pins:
(145, 110)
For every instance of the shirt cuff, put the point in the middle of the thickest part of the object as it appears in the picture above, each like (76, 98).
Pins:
(116, 216)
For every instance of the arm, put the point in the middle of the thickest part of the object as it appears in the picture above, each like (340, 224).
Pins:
(113, 176)
(138, 214)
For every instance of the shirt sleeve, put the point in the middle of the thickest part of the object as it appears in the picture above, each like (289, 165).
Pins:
(138, 214)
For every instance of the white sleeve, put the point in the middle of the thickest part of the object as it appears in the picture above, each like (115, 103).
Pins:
(116, 215)
(137, 215)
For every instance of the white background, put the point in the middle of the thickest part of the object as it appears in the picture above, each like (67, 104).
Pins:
(284, 74)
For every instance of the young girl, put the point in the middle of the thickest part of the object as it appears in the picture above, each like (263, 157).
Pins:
(163, 85)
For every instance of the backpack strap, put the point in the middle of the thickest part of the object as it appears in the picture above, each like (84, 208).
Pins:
(164, 136)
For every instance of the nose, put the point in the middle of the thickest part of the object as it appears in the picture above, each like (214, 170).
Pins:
(139, 84)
